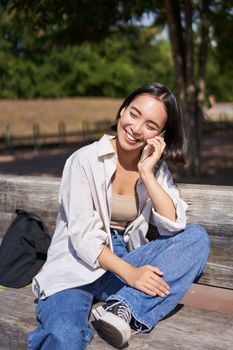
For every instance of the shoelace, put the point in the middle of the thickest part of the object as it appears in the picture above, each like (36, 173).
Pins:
(137, 326)
(120, 310)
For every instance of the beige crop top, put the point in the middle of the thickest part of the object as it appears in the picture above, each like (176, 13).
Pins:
(124, 210)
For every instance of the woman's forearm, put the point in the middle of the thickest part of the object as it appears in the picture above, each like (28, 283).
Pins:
(161, 201)
(146, 278)
(111, 262)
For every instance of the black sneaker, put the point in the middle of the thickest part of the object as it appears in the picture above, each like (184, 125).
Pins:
(112, 323)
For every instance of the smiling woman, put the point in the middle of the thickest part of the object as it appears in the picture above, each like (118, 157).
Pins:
(108, 198)
(166, 114)
(143, 119)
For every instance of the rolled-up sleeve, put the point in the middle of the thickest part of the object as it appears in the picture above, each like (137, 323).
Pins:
(85, 227)
(167, 227)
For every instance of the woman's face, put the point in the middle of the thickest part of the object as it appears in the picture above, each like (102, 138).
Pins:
(144, 118)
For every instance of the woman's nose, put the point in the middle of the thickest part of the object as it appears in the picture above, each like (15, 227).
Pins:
(136, 128)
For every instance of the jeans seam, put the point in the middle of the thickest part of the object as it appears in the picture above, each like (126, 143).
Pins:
(29, 342)
(142, 257)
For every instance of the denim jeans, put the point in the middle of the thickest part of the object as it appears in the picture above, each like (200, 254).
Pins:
(63, 317)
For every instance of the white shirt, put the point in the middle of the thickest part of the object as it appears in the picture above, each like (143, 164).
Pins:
(83, 222)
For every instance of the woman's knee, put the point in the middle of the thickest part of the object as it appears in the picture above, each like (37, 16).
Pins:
(198, 236)
(68, 336)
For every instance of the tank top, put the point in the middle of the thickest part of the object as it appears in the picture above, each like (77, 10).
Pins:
(124, 210)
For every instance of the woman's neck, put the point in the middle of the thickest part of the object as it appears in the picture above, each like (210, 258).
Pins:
(128, 160)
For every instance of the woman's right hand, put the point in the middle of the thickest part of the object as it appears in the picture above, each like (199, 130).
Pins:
(147, 279)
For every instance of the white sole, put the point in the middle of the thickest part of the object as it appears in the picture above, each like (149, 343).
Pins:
(111, 328)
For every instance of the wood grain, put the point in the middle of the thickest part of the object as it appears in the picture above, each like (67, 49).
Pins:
(210, 206)
(190, 328)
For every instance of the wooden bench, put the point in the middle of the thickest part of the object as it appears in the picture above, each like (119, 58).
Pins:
(190, 328)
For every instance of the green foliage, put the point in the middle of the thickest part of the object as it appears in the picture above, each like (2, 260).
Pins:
(112, 67)
(219, 79)
(84, 47)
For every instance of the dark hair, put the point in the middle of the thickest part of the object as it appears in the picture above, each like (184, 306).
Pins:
(174, 136)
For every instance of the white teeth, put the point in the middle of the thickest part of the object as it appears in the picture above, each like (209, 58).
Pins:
(130, 137)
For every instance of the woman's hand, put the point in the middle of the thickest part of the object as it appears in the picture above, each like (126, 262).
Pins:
(152, 155)
(147, 279)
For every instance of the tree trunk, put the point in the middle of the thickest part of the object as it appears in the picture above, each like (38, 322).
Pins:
(203, 51)
(182, 43)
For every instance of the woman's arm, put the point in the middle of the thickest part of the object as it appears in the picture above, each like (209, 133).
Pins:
(161, 201)
(145, 278)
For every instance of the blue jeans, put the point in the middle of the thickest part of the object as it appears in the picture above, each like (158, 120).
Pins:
(63, 317)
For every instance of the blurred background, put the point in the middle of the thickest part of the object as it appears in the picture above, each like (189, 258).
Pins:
(65, 67)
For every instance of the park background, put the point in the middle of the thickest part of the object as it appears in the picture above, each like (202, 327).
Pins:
(65, 67)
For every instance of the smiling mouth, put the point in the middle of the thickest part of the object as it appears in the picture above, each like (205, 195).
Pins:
(131, 137)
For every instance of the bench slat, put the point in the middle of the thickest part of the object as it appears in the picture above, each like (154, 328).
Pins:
(36, 194)
(210, 206)
(190, 328)
(219, 270)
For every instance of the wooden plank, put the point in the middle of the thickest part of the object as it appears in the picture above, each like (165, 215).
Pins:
(190, 328)
(16, 317)
(219, 270)
(36, 194)
(210, 206)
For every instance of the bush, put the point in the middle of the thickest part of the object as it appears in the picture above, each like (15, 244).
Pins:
(111, 68)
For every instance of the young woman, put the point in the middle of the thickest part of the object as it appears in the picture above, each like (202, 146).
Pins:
(111, 193)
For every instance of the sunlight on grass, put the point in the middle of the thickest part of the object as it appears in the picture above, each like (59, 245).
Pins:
(22, 114)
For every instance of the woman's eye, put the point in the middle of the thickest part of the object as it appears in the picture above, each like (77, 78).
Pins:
(151, 127)
(133, 115)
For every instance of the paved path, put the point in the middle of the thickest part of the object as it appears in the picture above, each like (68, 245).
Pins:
(217, 161)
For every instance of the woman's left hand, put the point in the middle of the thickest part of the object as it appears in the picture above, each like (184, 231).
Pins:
(153, 154)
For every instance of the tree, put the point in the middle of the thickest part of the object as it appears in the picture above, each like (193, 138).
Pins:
(193, 25)
(190, 79)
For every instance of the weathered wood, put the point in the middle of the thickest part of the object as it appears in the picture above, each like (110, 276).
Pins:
(190, 328)
(210, 206)
(16, 317)
(219, 270)
(36, 194)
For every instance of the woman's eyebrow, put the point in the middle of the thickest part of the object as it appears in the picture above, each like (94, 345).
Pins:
(137, 110)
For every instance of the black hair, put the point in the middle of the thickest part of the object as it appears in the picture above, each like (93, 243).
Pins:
(174, 135)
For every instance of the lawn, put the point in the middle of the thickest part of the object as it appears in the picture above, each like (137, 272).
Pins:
(22, 114)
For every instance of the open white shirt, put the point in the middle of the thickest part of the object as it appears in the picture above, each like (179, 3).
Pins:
(83, 222)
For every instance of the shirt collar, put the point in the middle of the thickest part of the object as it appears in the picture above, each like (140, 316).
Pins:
(105, 146)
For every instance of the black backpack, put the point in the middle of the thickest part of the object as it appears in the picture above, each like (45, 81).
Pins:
(23, 250)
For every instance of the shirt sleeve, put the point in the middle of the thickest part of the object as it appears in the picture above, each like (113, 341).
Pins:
(167, 227)
(85, 227)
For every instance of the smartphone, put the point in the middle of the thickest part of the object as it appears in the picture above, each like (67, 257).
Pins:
(147, 150)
